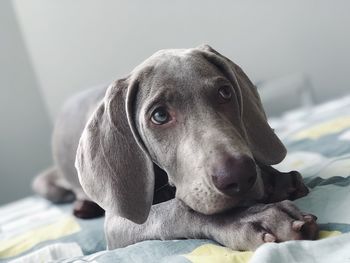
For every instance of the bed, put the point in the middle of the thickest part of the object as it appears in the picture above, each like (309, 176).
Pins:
(318, 143)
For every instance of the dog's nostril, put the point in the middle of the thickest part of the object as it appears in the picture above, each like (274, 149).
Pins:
(232, 187)
(251, 180)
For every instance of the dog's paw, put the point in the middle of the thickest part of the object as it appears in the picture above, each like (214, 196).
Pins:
(283, 186)
(298, 188)
(279, 222)
(276, 222)
(87, 209)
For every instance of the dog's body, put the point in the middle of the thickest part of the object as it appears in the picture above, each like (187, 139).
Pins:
(191, 117)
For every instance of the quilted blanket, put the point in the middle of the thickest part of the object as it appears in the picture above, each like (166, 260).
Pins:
(318, 143)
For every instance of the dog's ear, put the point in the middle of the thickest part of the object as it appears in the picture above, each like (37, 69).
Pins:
(114, 168)
(263, 142)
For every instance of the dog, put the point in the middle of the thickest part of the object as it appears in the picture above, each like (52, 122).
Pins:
(180, 148)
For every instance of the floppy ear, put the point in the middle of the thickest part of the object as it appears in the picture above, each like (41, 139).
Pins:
(114, 168)
(263, 142)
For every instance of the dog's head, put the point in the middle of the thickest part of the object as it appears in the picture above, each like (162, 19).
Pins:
(196, 115)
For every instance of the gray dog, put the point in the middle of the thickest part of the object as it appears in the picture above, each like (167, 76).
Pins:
(185, 123)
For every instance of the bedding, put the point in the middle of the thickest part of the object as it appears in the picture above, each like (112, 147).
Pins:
(318, 143)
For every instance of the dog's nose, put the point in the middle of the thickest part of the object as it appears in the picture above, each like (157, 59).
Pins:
(234, 175)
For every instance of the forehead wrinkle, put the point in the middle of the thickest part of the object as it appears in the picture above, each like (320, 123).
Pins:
(165, 85)
(183, 73)
(160, 96)
(172, 77)
(218, 80)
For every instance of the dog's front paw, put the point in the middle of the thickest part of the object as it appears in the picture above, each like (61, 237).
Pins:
(276, 222)
(297, 187)
(282, 186)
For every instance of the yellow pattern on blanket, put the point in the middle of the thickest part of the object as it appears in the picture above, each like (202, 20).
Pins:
(325, 128)
(210, 253)
(16, 245)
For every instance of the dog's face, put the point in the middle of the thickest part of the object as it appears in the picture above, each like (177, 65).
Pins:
(189, 118)
(196, 115)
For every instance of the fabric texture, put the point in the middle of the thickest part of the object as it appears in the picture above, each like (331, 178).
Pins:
(318, 143)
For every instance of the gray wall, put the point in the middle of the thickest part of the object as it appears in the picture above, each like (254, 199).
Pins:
(25, 126)
(75, 44)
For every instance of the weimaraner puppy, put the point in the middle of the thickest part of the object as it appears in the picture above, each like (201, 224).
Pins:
(186, 132)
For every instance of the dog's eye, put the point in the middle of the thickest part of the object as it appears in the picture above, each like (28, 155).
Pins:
(225, 93)
(160, 116)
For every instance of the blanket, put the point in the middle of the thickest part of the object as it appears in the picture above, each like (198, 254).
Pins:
(318, 143)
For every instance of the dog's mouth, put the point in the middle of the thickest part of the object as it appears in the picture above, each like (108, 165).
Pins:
(205, 198)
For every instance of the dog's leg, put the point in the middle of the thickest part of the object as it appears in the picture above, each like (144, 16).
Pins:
(241, 229)
(51, 185)
(281, 186)
(84, 208)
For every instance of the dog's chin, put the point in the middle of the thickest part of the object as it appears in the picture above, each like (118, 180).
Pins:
(213, 206)
(210, 201)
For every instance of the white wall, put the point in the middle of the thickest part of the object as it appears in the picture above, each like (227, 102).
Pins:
(76, 44)
(25, 126)
(55, 48)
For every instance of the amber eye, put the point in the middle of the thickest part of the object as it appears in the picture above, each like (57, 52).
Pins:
(225, 92)
(160, 116)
